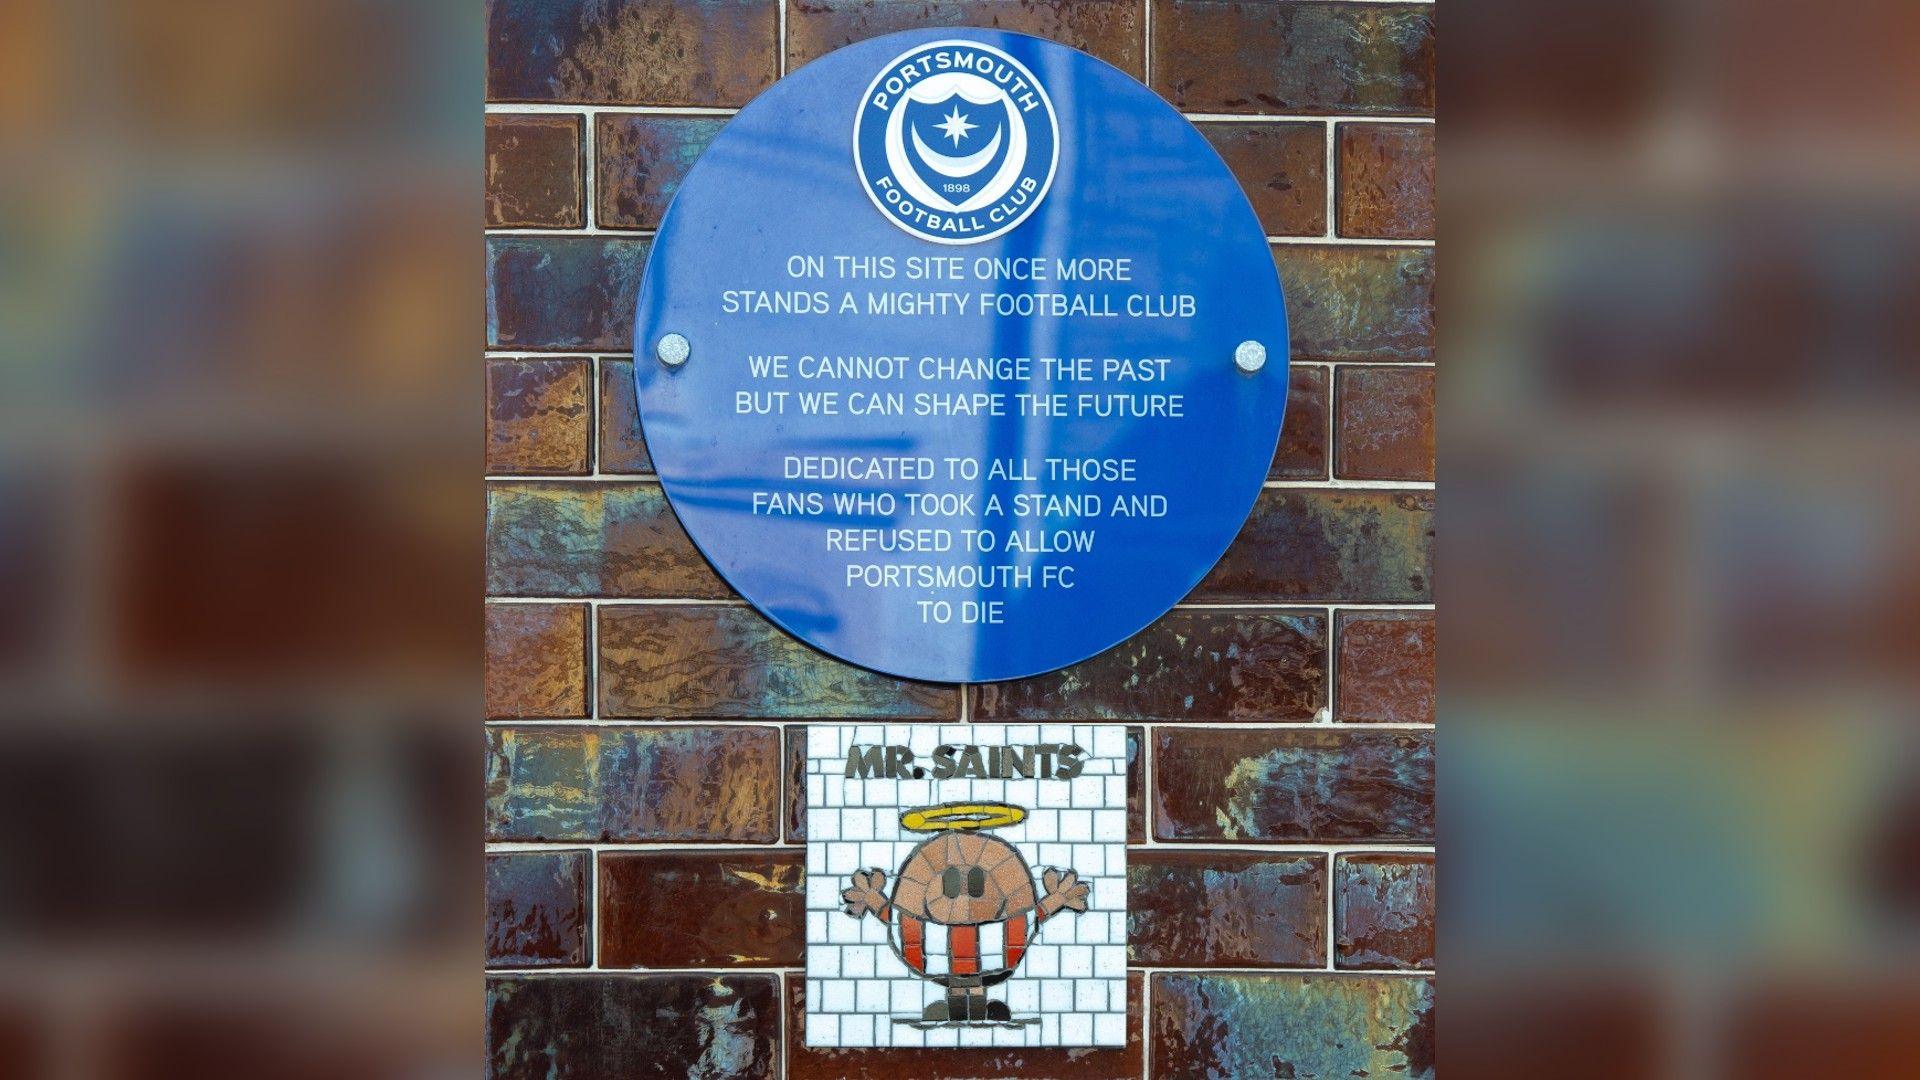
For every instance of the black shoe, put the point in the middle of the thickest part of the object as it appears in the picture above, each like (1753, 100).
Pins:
(997, 1010)
(935, 1012)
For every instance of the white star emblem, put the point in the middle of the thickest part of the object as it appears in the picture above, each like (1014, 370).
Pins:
(956, 126)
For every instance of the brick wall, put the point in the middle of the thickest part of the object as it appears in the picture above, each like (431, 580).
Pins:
(645, 729)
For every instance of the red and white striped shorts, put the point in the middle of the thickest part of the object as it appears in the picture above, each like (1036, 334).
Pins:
(989, 951)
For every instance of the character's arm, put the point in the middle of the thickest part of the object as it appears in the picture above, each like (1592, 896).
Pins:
(865, 895)
(1064, 889)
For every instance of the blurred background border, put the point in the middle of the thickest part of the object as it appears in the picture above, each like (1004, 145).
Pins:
(1681, 358)
(240, 580)
(240, 566)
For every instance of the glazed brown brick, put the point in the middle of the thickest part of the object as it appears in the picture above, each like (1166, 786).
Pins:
(1383, 423)
(1327, 1026)
(639, 162)
(634, 784)
(537, 909)
(681, 909)
(1190, 665)
(623, 447)
(1302, 453)
(563, 293)
(538, 415)
(1385, 667)
(1386, 181)
(1328, 545)
(1226, 909)
(1316, 58)
(1283, 170)
(601, 539)
(1296, 785)
(1358, 302)
(1136, 785)
(1109, 29)
(723, 661)
(1383, 911)
(632, 52)
(533, 172)
(796, 744)
(536, 661)
(954, 1063)
(720, 1027)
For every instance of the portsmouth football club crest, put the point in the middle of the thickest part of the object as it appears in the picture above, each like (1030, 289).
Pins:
(956, 142)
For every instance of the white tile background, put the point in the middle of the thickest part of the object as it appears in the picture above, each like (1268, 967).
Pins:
(1074, 975)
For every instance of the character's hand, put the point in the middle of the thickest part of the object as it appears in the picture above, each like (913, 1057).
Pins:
(865, 895)
(1064, 890)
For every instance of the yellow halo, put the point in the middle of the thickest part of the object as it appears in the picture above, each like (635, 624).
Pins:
(962, 816)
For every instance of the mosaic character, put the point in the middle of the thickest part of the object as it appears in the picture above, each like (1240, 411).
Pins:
(964, 908)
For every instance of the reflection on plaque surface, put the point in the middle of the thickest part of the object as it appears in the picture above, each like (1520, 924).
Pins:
(961, 355)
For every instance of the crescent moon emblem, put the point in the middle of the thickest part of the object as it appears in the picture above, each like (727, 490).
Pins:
(956, 167)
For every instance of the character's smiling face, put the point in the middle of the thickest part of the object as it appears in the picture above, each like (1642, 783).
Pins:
(963, 878)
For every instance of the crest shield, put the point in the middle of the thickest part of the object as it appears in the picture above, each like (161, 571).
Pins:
(955, 145)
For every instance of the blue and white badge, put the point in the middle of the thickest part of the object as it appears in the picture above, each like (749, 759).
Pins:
(956, 142)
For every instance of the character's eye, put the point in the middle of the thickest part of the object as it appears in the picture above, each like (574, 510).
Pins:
(950, 881)
(976, 882)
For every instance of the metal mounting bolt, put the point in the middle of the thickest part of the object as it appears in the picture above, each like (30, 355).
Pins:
(673, 350)
(1250, 356)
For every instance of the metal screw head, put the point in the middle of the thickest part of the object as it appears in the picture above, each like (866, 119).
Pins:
(1250, 356)
(673, 350)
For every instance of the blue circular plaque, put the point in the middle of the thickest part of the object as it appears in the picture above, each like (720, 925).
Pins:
(961, 355)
